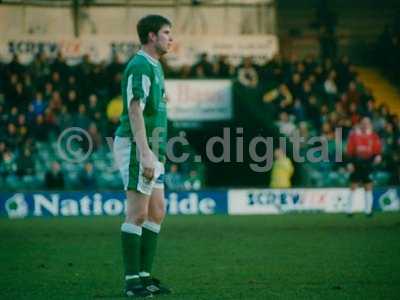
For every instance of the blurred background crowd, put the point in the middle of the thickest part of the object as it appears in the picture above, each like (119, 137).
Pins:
(314, 98)
(388, 49)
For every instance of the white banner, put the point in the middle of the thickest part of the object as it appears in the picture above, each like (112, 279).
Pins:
(276, 201)
(73, 50)
(185, 50)
(199, 100)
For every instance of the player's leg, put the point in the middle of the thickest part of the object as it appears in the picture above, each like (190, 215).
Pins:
(131, 229)
(136, 214)
(368, 198)
(131, 232)
(150, 233)
(151, 230)
(350, 200)
(354, 180)
(368, 185)
(152, 225)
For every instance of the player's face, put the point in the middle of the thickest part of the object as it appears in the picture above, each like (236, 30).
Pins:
(164, 40)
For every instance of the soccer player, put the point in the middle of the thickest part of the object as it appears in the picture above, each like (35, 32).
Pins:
(139, 149)
(364, 151)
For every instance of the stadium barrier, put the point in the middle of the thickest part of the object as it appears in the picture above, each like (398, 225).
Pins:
(232, 202)
(329, 200)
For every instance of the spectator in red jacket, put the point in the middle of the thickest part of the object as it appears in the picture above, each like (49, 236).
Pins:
(364, 151)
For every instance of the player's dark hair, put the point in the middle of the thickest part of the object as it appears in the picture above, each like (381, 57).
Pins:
(150, 23)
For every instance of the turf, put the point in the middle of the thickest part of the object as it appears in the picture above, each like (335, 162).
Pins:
(309, 256)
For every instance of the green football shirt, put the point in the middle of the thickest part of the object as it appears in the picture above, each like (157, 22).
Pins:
(143, 80)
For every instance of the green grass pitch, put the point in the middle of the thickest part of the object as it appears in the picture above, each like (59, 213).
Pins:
(304, 256)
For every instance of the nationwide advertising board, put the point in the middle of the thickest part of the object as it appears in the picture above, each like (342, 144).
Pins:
(67, 204)
(233, 202)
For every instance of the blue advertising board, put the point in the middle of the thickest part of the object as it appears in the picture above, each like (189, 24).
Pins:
(64, 204)
(55, 204)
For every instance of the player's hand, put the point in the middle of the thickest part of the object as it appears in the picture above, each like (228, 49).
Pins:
(377, 159)
(148, 161)
(350, 168)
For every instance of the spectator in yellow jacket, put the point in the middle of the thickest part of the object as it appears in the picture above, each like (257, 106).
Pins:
(282, 170)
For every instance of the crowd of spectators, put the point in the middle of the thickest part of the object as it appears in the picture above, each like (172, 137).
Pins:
(388, 50)
(314, 98)
(38, 101)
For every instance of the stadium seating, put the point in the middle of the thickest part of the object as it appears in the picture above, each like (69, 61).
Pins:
(274, 82)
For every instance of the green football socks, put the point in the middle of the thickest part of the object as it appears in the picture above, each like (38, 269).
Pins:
(131, 240)
(148, 247)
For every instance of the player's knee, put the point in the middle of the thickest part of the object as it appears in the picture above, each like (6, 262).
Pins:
(157, 217)
(157, 214)
(137, 218)
(140, 218)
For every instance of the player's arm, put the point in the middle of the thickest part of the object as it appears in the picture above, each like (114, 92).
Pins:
(139, 132)
(138, 89)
